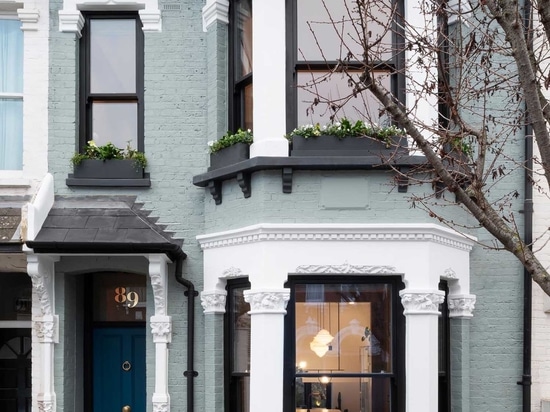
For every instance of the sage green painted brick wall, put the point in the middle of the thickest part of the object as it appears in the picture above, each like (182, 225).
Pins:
(176, 108)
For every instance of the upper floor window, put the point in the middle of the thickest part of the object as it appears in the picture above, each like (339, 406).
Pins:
(112, 87)
(331, 46)
(11, 94)
(240, 65)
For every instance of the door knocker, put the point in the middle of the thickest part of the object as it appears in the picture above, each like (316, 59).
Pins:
(126, 366)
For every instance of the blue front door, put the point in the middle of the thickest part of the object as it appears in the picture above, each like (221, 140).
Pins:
(119, 369)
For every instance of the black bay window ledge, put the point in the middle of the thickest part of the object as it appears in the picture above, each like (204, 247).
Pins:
(109, 173)
(242, 171)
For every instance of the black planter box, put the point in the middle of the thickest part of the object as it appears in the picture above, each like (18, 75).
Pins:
(347, 146)
(108, 169)
(229, 156)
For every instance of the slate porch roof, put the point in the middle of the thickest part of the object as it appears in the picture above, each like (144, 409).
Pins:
(10, 223)
(103, 225)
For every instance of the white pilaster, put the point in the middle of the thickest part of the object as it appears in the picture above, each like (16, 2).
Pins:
(267, 310)
(421, 356)
(461, 306)
(45, 327)
(215, 10)
(269, 71)
(161, 329)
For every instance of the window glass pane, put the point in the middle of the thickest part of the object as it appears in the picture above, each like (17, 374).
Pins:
(16, 296)
(339, 394)
(328, 29)
(241, 332)
(113, 56)
(119, 297)
(349, 331)
(11, 56)
(11, 134)
(333, 88)
(115, 122)
(247, 107)
(243, 21)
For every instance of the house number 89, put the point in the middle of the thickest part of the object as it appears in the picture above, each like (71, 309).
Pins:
(122, 297)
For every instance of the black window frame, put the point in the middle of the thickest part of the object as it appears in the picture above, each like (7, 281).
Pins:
(87, 98)
(232, 400)
(397, 376)
(293, 65)
(237, 84)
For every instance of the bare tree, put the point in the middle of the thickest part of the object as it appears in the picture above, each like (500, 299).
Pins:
(485, 65)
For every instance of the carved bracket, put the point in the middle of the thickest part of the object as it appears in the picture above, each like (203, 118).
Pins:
(161, 328)
(267, 301)
(41, 271)
(287, 179)
(244, 182)
(215, 188)
(461, 306)
(213, 301)
(417, 302)
(158, 269)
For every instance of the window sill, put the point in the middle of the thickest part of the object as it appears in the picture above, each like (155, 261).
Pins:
(92, 182)
(242, 171)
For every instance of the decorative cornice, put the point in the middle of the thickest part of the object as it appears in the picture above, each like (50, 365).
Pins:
(215, 10)
(449, 274)
(461, 306)
(267, 300)
(161, 328)
(213, 301)
(418, 302)
(233, 272)
(29, 18)
(271, 232)
(346, 268)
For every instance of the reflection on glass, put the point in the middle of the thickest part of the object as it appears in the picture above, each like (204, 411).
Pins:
(328, 30)
(247, 112)
(241, 328)
(115, 122)
(113, 56)
(358, 318)
(119, 297)
(334, 89)
(11, 56)
(17, 296)
(243, 17)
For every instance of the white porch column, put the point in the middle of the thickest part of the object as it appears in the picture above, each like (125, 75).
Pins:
(45, 326)
(421, 312)
(267, 310)
(269, 71)
(161, 328)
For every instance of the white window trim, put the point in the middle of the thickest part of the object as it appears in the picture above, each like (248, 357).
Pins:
(72, 21)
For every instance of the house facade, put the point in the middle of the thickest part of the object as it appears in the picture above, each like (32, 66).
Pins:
(285, 282)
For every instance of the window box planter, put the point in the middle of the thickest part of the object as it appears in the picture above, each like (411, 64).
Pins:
(108, 169)
(229, 156)
(349, 146)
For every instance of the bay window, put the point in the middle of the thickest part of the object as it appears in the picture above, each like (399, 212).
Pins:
(344, 345)
(331, 45)
(11, 94)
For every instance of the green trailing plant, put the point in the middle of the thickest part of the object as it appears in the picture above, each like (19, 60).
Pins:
(109, 152)
(345, 128)
(229, 139)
